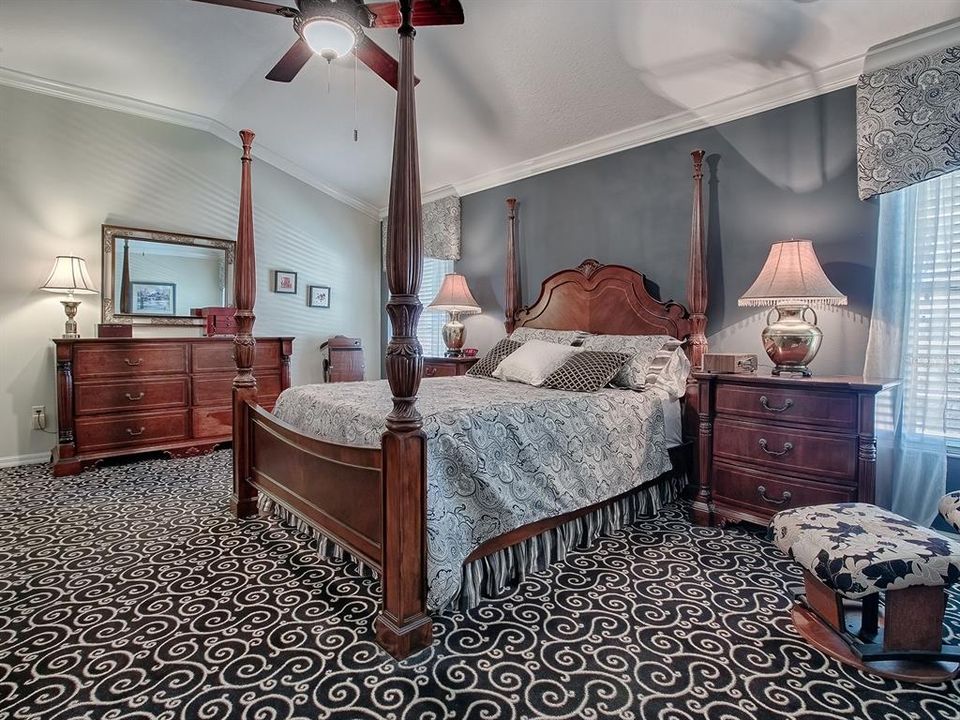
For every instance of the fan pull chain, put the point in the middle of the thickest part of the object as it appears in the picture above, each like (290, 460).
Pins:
(356, 112)
(329, 70)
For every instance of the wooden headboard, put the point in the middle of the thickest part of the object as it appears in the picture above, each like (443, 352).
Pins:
(613, 299)
(603, 299)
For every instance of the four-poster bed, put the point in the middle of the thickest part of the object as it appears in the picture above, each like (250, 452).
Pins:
(372, 501)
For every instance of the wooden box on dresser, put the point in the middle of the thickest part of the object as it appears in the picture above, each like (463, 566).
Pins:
(118, 397)
(770, 443)
(447, 366)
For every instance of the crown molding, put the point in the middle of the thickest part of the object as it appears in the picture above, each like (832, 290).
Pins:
(784, 92)
(153, 111)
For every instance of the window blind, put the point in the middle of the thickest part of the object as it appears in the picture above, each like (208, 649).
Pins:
(931, 382)
(430, 327)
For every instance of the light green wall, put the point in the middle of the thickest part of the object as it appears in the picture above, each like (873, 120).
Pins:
(66, 168)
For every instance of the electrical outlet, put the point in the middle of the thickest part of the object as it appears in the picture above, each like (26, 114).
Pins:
(38, 420)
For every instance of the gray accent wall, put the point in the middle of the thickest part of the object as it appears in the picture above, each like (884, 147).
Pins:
(784, 173)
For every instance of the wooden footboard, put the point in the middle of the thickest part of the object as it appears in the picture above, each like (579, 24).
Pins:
(335, 488)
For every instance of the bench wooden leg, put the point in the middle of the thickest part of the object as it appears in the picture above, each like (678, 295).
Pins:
(913, 619)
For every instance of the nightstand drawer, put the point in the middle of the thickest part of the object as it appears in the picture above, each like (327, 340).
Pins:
(765, 494)
(432, 370)
(789, 406)
(808, 452)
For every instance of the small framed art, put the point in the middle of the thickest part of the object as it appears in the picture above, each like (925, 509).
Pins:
(318, 296)
(150, 298)
(285, 282)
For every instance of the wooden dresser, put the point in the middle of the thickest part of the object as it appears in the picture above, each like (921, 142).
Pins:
(118, 397)
(771, 443)
(447, 366)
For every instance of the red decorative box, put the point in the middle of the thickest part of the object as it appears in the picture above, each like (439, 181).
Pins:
(219, 320)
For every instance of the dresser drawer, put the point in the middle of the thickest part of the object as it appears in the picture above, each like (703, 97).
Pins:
(130, 395)
(218, 389)
(789, 405)
(132, 359)
(117, 431)
(808, 452)
(431, 370)
(218, 356)
(766, 494)
(212, 422)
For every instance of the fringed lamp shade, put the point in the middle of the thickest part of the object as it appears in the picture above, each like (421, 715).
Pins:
(455, 296)
(69, 275)
(792, 276)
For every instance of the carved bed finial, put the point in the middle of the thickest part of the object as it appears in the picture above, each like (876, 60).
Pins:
(697, 275)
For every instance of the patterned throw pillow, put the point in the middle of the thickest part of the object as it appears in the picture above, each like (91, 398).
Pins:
(587, 371)
(643, 349)
(669, 370)
(485, 366)
(562, 337)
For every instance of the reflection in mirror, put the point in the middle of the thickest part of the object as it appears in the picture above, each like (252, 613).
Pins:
(164, 278)
(155, 278)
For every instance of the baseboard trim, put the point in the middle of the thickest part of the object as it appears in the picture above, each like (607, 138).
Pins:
(33, 459)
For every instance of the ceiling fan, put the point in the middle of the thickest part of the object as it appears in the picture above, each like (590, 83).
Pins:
(333, 28)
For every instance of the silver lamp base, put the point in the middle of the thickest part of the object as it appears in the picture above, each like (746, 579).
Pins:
(791, 341)
(453, 335)
(70, 327)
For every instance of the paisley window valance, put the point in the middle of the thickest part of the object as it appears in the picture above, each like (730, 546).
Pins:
(908, 122)
(441, 230)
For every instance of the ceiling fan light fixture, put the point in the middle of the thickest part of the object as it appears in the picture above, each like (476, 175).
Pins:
(328, 38)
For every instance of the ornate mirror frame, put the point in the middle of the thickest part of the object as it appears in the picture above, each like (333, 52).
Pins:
(109, 234)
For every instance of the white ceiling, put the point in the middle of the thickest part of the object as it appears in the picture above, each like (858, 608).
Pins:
(523, 86)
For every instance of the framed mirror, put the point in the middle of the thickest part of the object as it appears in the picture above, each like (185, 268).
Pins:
(152, 277)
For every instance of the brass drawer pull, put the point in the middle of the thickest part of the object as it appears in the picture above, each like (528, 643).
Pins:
(430, 371)
(787, 447)
(785, 498)
(133, 364)
(765, 403)
(134, 398)
(135, 433)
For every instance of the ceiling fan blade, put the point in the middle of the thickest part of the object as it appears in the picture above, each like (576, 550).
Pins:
(378, 60)
(265, 7)
(291, 63)
(425, 12)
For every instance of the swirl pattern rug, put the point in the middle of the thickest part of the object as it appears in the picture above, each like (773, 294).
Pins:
(129, 593)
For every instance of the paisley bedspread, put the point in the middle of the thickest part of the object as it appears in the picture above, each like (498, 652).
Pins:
(499, 455)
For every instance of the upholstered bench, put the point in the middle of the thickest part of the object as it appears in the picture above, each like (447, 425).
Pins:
(850, 554)
(950, 509)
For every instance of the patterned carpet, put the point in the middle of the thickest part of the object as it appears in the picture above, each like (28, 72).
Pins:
(130, 593)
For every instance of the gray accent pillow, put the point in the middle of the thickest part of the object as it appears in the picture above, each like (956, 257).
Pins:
(485, 366)
(587, 371)
(563, 337)
(643, 350)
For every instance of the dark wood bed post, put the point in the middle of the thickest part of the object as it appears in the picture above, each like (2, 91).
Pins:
(697, 425)
(697, 275)
(512, 295)
(243, 501)
(403, 626)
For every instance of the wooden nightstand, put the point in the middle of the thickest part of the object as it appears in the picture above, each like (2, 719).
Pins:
(447, 366)
(771, 443)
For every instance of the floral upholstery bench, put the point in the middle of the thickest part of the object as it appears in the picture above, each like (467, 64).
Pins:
(850, 554)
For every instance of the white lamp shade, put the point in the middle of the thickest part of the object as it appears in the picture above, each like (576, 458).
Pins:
(455, 296)
(792, 275)
(328, 38)
(69, 275)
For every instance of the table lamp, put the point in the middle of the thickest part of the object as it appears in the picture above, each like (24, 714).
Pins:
(454, 297)
(69, 275)
(791, 281)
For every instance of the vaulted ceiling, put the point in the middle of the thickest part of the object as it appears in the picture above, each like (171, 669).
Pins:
(524, 85)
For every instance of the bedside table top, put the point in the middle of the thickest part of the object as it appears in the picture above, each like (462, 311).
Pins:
(450, 360)
(822, 382)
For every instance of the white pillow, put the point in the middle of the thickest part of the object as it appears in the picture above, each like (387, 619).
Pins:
(643, 350)
(673, 376)
(533, 362)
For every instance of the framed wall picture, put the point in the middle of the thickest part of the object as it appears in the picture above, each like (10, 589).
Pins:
(154, 298)
(318, 296)
(285, 282)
